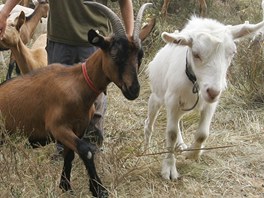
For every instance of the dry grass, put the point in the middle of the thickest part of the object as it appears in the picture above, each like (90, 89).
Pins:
(231, 172)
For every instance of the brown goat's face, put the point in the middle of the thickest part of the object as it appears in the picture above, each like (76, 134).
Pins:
(121, 61)
(125, 58)
(11, 35)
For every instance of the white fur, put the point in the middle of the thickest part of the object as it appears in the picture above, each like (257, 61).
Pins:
(209, 47)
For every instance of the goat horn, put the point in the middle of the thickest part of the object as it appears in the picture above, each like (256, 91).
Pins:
(138, 21)
(117, 25)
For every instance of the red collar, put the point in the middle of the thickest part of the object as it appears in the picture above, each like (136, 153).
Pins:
(88, 80)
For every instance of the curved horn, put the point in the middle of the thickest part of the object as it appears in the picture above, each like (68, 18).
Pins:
(138, 21)
(117, 25)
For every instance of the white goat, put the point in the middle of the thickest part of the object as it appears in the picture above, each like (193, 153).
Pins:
(190, 72)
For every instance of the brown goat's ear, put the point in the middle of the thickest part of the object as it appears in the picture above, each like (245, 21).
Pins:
(20, 20)
(96, 39)
(145, 31)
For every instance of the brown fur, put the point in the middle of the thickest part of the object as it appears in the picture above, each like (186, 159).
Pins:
(26, 58)
(20, 32)
(29, 27)
(53, 101)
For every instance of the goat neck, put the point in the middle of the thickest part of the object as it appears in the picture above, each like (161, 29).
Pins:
(95, 73)
(27, 30)
(21, 54)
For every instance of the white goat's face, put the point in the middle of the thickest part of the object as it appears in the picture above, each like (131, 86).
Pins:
(210, 58)
(211, 48)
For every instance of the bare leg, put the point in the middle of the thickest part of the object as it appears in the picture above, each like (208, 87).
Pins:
(203, 8)
(164, 9)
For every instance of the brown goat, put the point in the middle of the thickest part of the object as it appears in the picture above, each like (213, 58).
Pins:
(26, 58)
(202, 3)
(53, 101)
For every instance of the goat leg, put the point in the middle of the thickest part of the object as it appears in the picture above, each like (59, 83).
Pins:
(66, 172)
(86, 152)
(95, 183)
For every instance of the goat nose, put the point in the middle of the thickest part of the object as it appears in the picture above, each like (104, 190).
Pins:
(212, 93)
(134, 89)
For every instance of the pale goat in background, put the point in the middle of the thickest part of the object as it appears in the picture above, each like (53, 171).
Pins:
(41, 27)
(27, 59)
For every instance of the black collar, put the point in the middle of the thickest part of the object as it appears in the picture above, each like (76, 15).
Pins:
(190, 74)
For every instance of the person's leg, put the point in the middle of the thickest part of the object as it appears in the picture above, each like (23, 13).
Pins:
(95, 131)
(60, 53)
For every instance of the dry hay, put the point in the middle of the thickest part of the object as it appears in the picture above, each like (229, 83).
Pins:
(126, 171)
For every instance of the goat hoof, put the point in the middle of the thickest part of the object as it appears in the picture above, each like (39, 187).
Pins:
(181, 147)
(169, 171)
(66, 187)
(98, 190)
(100, 193)
(103, 194)
(193, 155)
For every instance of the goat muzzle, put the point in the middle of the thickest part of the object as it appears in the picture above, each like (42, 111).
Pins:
(132, 92)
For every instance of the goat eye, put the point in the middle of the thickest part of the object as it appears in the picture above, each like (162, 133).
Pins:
(114, 52)
(140, 56)
(196, 56)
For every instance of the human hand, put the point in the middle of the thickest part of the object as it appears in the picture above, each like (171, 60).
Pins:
(3, 18)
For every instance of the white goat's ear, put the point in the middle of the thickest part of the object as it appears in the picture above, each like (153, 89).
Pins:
(245, 29)
(176, 38)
